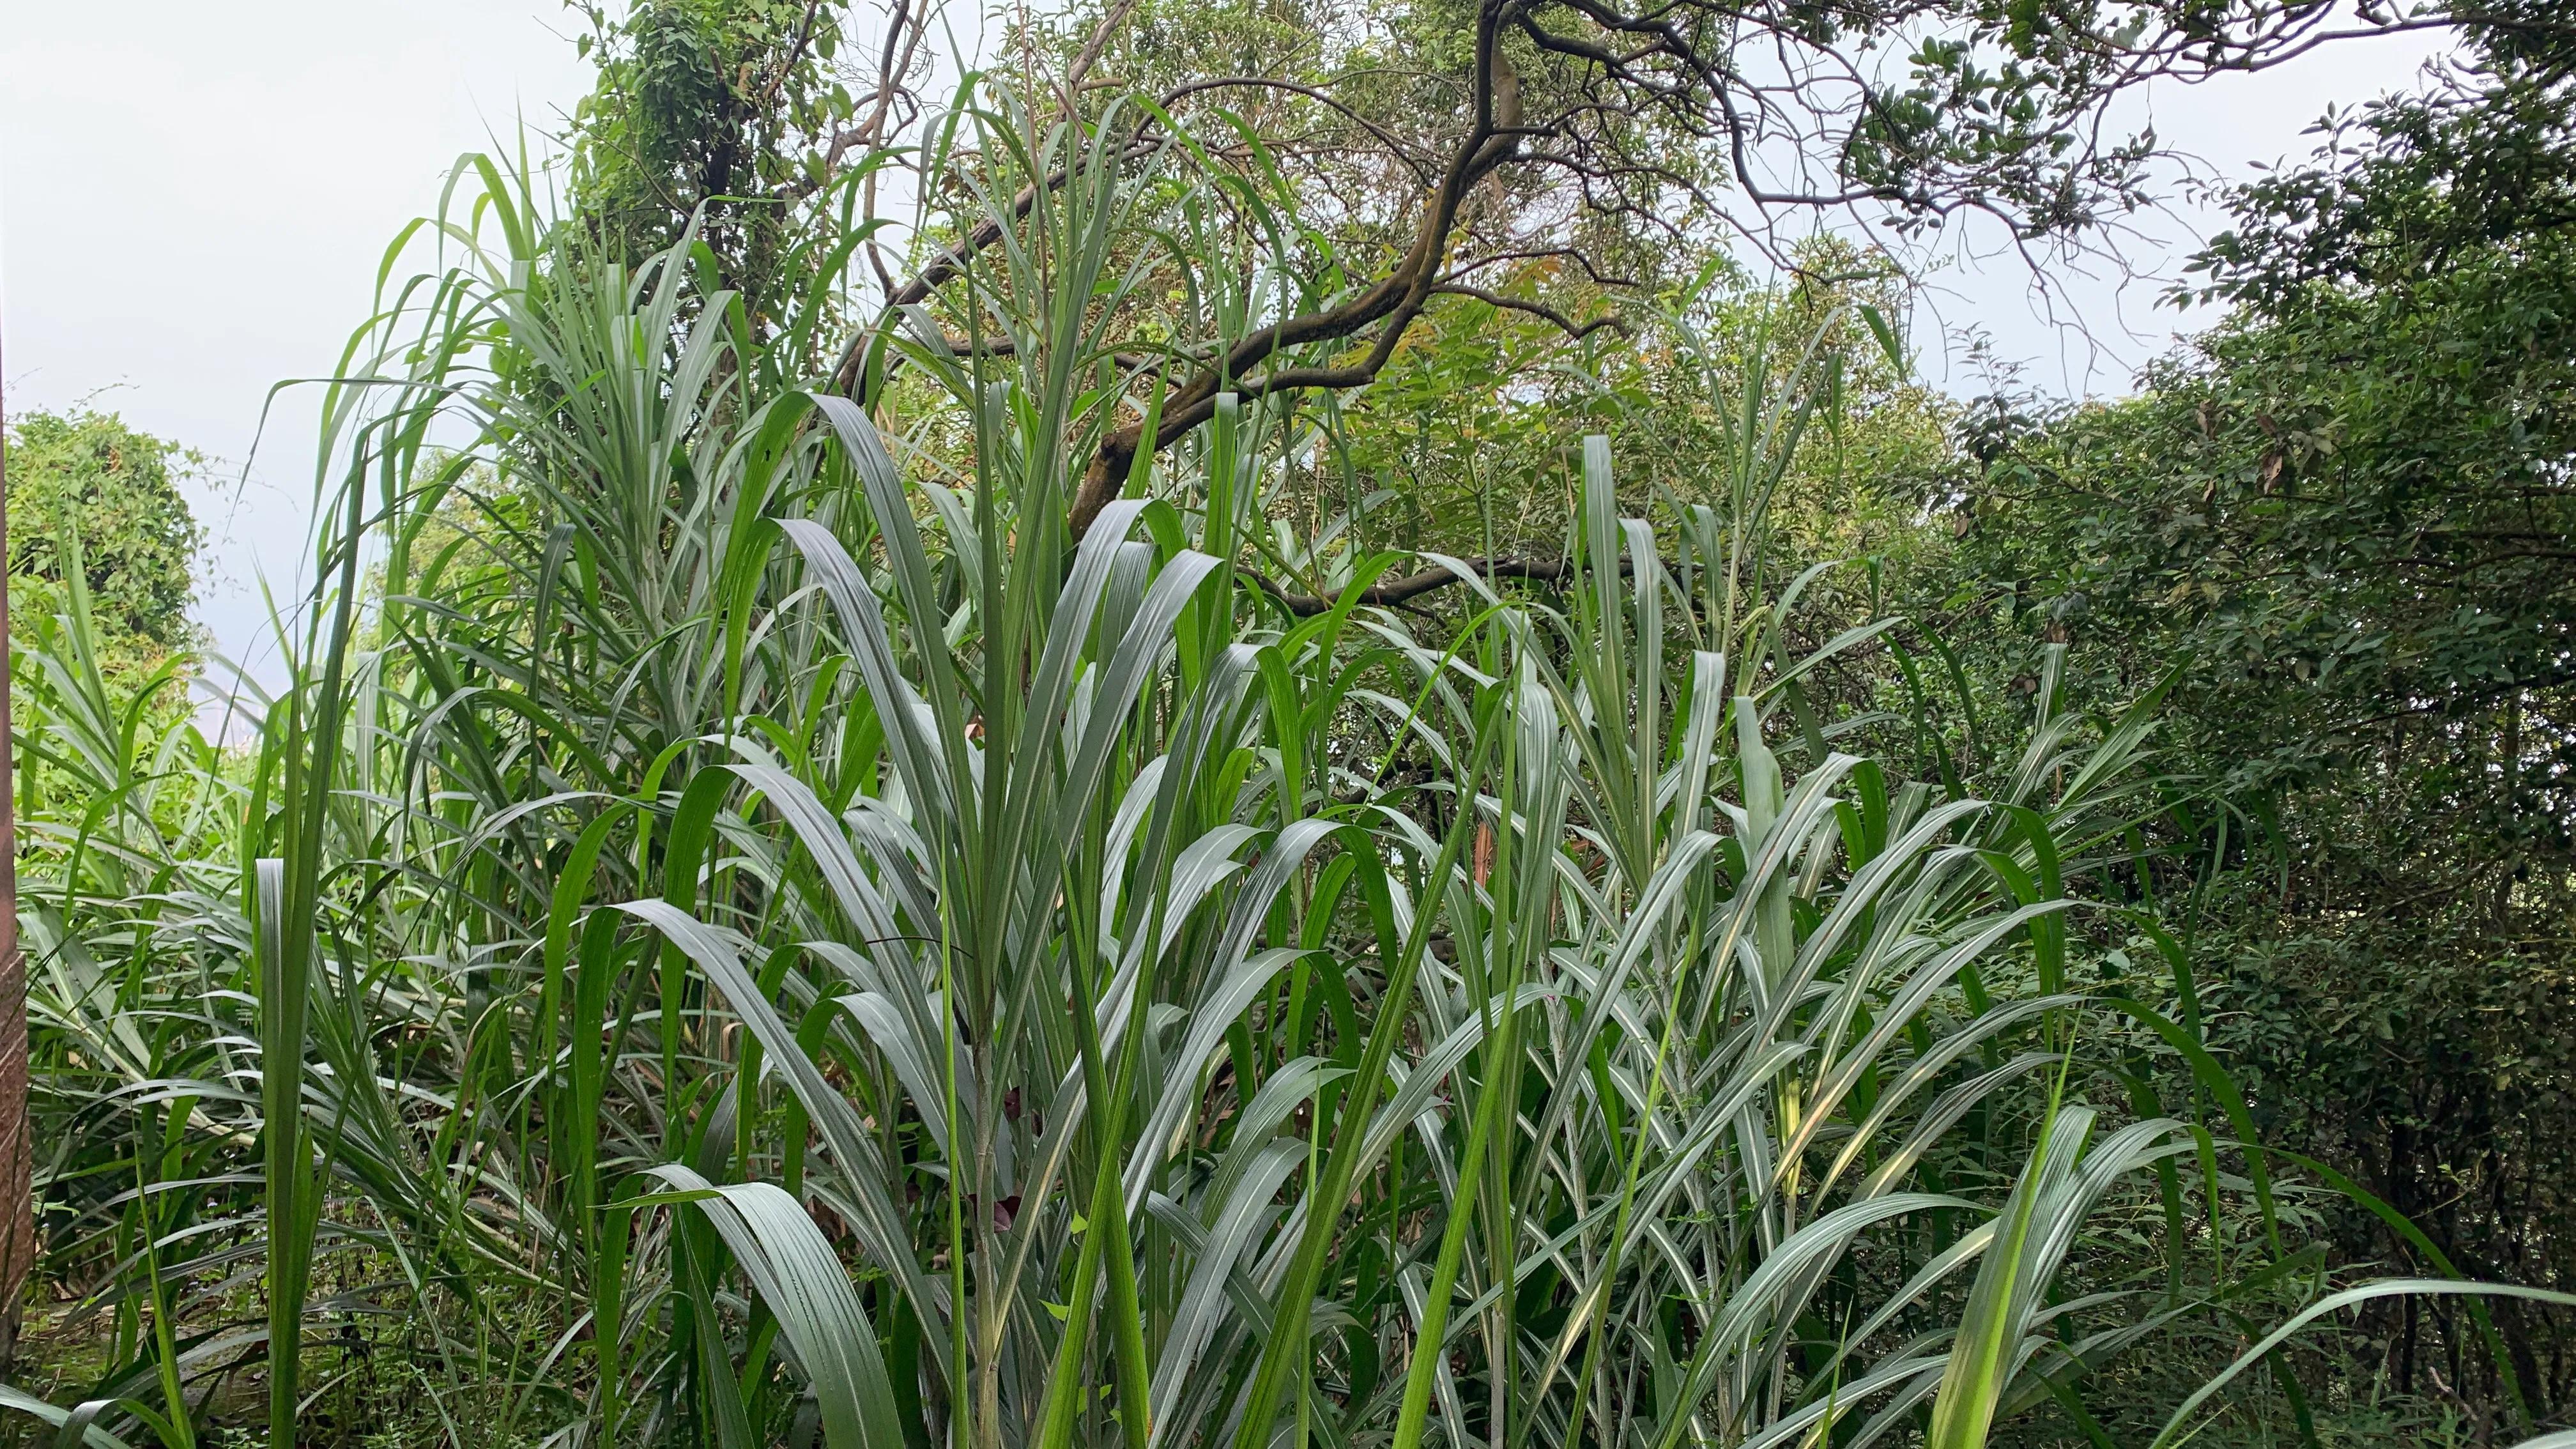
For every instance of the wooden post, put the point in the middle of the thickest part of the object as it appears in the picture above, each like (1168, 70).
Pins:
(17, 1205)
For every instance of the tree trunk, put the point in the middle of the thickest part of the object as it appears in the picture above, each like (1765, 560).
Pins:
(17, 1209)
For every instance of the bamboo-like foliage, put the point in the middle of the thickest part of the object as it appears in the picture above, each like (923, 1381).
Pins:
(733, 872)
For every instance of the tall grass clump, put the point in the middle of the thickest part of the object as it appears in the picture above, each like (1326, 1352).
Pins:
(743, 928)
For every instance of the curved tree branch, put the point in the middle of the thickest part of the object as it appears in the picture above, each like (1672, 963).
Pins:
(1731, 83)
(1404, 589)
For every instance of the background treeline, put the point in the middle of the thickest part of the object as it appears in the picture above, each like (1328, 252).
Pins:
(2346, 512)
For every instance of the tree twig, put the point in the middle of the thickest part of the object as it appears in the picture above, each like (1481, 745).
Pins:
(1391, 593)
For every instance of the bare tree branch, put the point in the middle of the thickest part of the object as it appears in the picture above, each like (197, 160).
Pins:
(1404, 589)
(1567, 325)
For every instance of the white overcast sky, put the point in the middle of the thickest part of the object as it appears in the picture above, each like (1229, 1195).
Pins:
(194, 199)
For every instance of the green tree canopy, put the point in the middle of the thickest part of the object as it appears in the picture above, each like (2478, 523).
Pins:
(85, 480)
(2348, 514)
